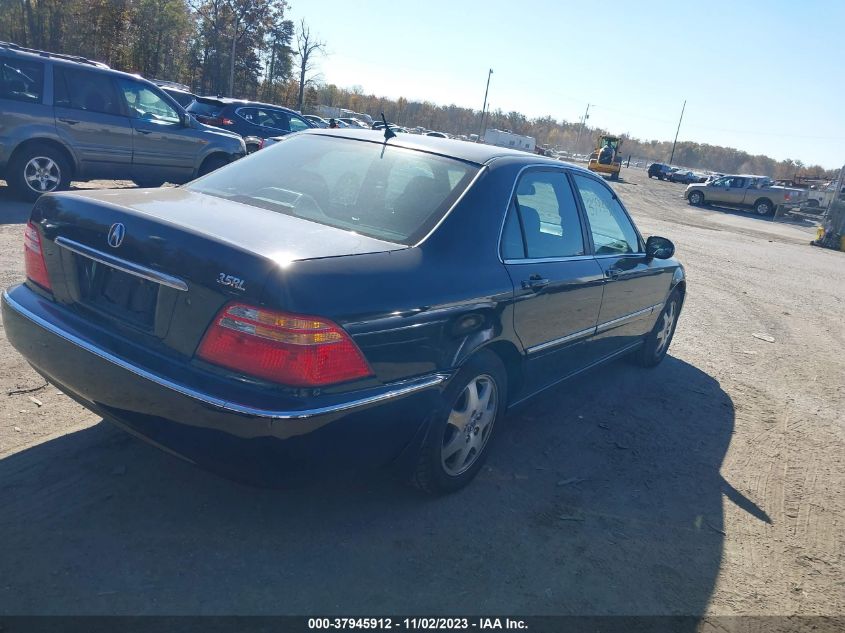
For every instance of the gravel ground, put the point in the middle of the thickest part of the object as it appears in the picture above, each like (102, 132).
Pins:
(710, 485)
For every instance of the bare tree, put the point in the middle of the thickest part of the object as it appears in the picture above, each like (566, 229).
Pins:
(306, 45)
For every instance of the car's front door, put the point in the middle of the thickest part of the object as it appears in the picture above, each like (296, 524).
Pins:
(89, 117)
(636, 286)
(558, 284)
(727, 190)
(163, 148)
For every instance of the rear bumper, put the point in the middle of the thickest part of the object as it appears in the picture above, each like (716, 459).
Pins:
(363, 428)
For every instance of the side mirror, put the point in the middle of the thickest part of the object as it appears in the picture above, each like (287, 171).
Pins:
(659, 248)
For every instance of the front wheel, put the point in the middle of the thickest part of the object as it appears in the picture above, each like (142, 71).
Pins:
(458, 438)
(657, 342)
(211, 164)
(696, 198)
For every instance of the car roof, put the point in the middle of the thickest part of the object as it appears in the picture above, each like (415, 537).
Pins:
(468, 151)
(70, 61)
(243, 102)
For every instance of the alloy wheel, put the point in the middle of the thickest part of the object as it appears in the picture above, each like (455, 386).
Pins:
(665, 331)
(469, 425)
(42, 174)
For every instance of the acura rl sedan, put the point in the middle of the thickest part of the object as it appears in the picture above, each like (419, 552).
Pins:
(339, 300)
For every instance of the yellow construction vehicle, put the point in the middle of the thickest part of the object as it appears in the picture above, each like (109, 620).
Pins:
(606, 158)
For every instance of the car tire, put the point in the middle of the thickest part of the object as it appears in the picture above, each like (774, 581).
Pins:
(657, 342)
(211, 164)
(149, 184)
(813, 203)
(695, 198)
(459, 435)
(763, 207)
(38, 169)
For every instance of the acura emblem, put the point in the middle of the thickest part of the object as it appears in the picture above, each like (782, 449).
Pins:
(116, 233)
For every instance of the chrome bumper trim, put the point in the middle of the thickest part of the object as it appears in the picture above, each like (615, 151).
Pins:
(397, 389)
(123, 265)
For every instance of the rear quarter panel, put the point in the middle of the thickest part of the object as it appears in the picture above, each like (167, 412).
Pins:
(421, 309)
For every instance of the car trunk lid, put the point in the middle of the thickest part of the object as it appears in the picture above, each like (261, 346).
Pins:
(159, 264)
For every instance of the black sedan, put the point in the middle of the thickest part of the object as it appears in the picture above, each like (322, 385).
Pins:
(247, 118)
(339, 300)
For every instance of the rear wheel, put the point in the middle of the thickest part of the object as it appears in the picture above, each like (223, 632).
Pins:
(657, 342)
(38, 169)
(458, 439)
(763, 207)
(696, 198)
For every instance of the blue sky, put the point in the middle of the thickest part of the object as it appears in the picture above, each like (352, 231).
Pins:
(765, 77)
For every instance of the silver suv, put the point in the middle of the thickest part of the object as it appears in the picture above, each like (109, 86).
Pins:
(66, 118)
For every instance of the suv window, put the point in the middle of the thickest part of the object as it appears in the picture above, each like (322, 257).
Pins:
(144, 103)
(548, 218)
(265, 117)
(84, 90)
(610, 227)
(205, 108)
(21, 80)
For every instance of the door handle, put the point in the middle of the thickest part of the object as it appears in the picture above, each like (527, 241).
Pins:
(612, 273)
(69, 121)
(535, 282)
(144, 131)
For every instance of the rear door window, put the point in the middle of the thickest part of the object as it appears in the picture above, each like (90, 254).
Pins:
(85, 90)
(548, 215)
(21, 80)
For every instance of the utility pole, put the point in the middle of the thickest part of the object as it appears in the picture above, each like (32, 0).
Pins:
(583, 122)
(484, 107)
(672, 157)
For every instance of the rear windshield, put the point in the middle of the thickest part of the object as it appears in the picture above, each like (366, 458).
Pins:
(203, 108)
(378, 190)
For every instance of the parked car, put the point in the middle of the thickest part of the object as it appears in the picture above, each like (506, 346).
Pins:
(247, 118)
(352, 122)
(686, 177)
(745, 191)
(67, 118)
(342, 319)
(659, 171)
(436, 134)
(180, 93)
(315, 120)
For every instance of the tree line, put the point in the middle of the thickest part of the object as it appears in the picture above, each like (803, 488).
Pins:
(250, 49)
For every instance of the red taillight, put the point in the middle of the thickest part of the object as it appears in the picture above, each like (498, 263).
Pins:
(36, 267)
(225, 121)
(212, 120)
(290, 349)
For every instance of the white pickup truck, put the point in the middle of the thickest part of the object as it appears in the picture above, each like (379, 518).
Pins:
(745, 192)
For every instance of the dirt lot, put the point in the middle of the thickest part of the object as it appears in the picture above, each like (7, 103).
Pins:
(712, 484)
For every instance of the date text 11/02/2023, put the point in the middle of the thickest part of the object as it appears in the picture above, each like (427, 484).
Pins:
(421, 623)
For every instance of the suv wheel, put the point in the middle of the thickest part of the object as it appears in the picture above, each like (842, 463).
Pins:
(211, 164)
(38, 169)
(695, 198)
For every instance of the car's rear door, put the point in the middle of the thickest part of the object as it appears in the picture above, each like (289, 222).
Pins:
(163, 148)
(90, 118)
(636, 286)
(558, 284)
